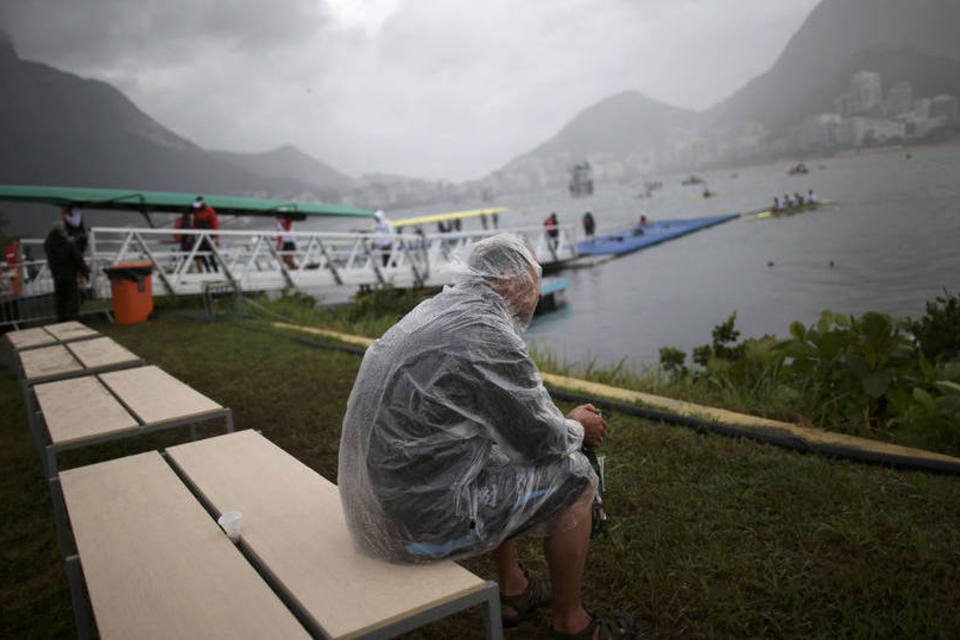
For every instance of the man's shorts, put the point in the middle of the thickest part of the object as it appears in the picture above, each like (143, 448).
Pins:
(499, 505)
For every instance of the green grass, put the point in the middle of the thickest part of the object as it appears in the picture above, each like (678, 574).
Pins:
(709, 537)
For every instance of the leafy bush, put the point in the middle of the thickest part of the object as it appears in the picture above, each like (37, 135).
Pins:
(724, 345)
(673, 362)
(938, 331)
(933, 420)
(385, 301)
(859, 370)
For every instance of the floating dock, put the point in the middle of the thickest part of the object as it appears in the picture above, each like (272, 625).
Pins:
(647, 235)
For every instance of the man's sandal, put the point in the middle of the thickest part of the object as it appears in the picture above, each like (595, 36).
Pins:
(614, 626)
(536, 595)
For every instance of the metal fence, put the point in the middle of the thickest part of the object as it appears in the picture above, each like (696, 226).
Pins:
(322, 263)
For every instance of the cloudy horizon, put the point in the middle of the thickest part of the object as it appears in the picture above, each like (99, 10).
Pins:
(427, 89)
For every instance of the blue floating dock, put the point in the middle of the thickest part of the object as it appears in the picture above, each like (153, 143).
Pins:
(641, 237)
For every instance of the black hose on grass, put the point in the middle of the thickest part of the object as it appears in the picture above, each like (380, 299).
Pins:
(790, 442)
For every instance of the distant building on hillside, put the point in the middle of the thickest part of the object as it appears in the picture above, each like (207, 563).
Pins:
(899, 99)
(867, 92)
(868, 131)
(864, 97)
(944, 106)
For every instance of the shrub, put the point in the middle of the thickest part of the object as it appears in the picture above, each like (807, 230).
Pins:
(860, 370)
(938, 331)
(385, 301)
(933, 420)
(673, 362)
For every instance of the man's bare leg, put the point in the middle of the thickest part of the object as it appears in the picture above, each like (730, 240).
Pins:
(566, 554)
(509, 574)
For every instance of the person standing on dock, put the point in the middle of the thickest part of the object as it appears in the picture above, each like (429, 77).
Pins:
(382, 236)
(589, 226)
(184, 241)
(286, 243)
(13, 271)
(553, 231)
(68, 269)
(451, 446)
(72, 220)
(204, 217)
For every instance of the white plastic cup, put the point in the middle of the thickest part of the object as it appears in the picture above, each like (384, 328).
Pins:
(230, 523)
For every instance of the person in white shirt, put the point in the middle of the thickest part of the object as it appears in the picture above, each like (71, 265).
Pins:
(383, 236)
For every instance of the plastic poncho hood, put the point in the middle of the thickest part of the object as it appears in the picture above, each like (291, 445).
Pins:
(450, 442)
(505, 264)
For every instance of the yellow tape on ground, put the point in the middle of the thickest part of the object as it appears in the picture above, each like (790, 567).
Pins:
(343, 337)
(809, 434)
(679, 407)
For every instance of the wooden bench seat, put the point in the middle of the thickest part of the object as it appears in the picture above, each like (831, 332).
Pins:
(29, 339)
(70, 331)
(154, 562)
(154, 396)
(81, 412)
(72, 359)
(293, 526)
(81, 408)
(50, 334)
(100, 353)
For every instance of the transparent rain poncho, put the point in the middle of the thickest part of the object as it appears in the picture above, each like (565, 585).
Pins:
(450, 442)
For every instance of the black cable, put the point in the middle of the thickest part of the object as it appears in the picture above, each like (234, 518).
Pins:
(790, 442)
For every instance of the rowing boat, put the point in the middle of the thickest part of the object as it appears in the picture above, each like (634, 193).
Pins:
(770, 213)
(647, 235)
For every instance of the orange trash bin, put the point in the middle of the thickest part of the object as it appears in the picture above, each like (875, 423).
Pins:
(131, 291)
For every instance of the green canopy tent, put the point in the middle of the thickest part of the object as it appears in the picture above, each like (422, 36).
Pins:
(147, 202)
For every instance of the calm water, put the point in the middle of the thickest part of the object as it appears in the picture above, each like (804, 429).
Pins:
(893, 240)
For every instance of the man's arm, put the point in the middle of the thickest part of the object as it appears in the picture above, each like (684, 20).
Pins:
(77, 258)
(517, 409)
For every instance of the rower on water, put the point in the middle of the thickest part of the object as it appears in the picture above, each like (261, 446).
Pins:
(811, 198)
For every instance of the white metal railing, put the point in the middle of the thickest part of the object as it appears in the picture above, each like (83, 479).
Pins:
(322, 261)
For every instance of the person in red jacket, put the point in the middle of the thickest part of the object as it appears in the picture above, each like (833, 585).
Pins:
(204, 217)
(286, 243)
(14, 266)
(553, 232)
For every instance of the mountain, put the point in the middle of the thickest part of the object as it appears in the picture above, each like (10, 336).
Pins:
(61, 129)
(625, 124)
(622, 123)
(837, 36)
(288, 161)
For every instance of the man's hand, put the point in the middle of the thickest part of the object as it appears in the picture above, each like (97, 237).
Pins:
(594, 426)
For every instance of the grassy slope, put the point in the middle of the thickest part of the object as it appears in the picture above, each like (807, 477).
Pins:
(709, 538)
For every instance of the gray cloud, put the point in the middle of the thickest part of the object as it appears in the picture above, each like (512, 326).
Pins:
(439, 88)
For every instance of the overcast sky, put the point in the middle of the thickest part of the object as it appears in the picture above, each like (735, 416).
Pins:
(428, 88)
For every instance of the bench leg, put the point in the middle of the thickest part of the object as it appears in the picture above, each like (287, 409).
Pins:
(78, 597)
(60, 519)
(50, 462)
(491, 612)
(229, 421)
(35, 431)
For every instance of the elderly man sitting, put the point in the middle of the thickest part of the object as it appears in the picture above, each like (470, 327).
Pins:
(451, 445)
